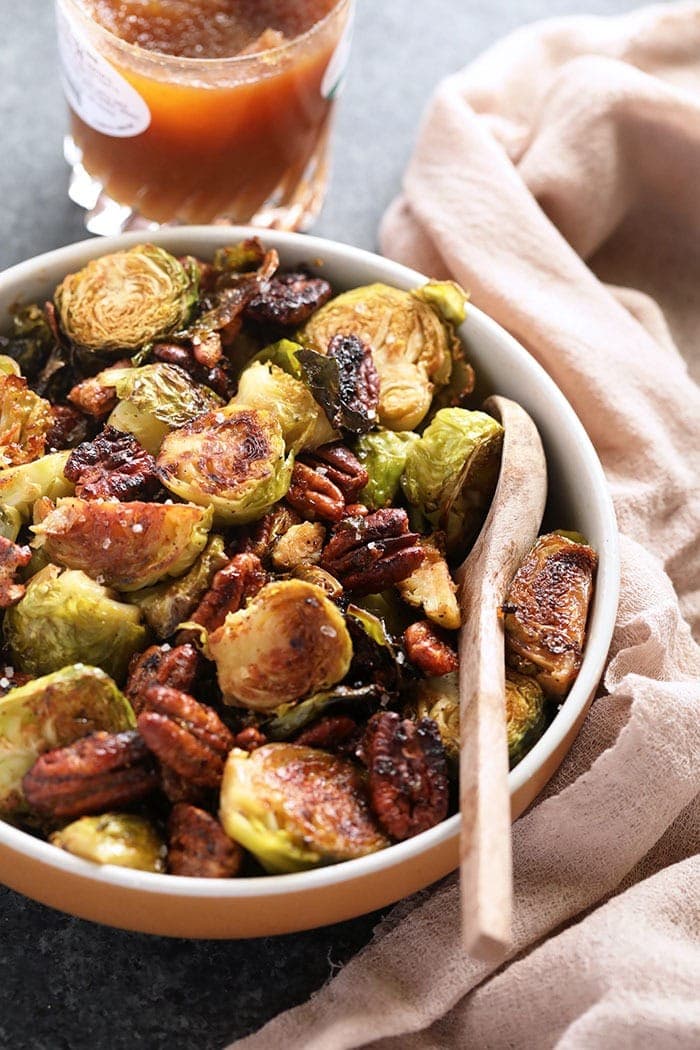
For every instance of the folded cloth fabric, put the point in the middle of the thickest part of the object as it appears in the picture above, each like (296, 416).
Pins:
(558, 178)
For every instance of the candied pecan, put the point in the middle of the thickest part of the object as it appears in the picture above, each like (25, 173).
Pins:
(339, 465)
(185, 735)
(328, 733)
(217, 378)
(91, 775)
(288, 299)
(231, 587)
(428, 648)
(359, 379)
(112, 465)
(199, 847)
(371, 553)
(12, 558)
(407, 773)
(314, 495)
(93, 397)
(177, 788)
(249, 739)
(356, 510)
(160, 665)
(69, 428)
(261, 537)
(11, 679)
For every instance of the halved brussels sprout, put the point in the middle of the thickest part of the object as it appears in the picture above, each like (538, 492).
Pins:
(296, 807)
(290, 719)
(51, 712)
(546, 611)
(31, 341)
(432, 588)
(125, 545)
(233, 460)
(165, 605)
(383, 455)
(121, 301)
(412, 343)
(25, 420)
(438, 698)
(303, 421)
(125, 839)
(451, 473)
(65, 617)
(21, 487)
(525, 713)
(300, 545)
(155, 399)
(290, 641)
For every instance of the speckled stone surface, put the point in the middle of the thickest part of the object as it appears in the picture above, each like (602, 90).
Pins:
(68, 984)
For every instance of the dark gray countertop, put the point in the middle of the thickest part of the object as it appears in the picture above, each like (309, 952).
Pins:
(68, 984)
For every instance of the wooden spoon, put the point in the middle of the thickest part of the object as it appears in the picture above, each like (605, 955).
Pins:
(508, 533)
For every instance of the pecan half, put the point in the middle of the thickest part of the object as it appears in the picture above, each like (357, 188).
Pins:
(328, 733)
(94, 774)
(160, 665)
(339, 465)
(112, 465)
(218, 378)
(230, 589)
(185, 735)
(371, 553)
(249, 739)
(12, 558)
(407, 773)
(69, 428)
(199, 847)
(428, 648)
(93, 398)
(344, 381)
(178, 789)
(314, 495)
(288, 300)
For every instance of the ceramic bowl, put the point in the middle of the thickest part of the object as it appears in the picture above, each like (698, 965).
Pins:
(247, 907)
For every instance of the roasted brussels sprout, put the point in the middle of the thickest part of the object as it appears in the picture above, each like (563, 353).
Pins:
(431, 587)
(303, 421)
(8, 366)
(125, 545)
(451, 473)
(51, 712)
(25, 420)
(124, 300)
(125, 839)
(296, 807)
(31, 341)
(155, 399)
(65, 617)
(301, 545)
(547, 609)
(412, 343)
(383, 455)
(290, 641)
(438, 698)
(233, 460)
(21, 487)
(10, 523)
(165, 605)
(525, 713)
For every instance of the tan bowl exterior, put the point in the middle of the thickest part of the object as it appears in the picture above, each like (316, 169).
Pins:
(182, 907)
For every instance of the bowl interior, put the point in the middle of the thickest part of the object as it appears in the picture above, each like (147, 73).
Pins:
(578, 499)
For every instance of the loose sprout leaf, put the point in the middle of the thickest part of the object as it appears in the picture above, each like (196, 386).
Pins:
(291, 718)
(285, 354)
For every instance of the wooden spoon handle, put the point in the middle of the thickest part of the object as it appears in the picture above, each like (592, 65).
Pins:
(508, 533)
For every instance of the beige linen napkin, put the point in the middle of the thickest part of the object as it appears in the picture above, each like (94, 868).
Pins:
(567, 156)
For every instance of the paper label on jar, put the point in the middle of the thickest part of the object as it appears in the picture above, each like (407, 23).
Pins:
(100, 96)
(334, 77)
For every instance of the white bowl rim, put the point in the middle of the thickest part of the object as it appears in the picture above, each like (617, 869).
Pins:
(607, 583)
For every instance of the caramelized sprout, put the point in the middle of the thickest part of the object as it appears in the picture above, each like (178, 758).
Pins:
(383, 455)
(290, 641)
(10, 523)
(25, 420)
(438, 698)
(51, 712)
(21, 487)
(525, 712)
(431, 587)
(65, 617)
(304, 423)
(296, 807)
(233, 460)
(124, 839)
(122, 301)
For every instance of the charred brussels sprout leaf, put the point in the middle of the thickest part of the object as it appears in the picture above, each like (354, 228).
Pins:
(166, 605)
(155, 399)
(412, 344)
(525, 713)
(121, 301)
(21, 487)
(51, 712)
(451, 473)
(291, 718)
(233, 460)
(65, 617)
(383, 455)
(290, 641)
(125, 545)
(296, 807)
(25, 420)
(303, 421)
(125, 839)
